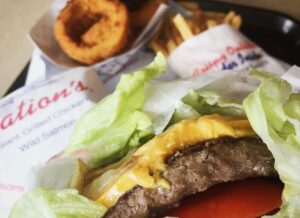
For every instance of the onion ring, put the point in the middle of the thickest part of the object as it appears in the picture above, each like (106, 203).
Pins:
(89, 31)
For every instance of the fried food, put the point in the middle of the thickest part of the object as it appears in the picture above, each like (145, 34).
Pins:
(182, 26)
(177, 28)
(211, 23)
(236, 21)
(229, 17)
(92, 30)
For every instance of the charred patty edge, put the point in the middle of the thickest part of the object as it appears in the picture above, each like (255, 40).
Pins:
(199, 146)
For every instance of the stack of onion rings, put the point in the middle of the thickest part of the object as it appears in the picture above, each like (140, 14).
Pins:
(92, 30)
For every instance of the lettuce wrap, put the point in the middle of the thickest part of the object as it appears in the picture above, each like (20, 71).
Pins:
(140, 109)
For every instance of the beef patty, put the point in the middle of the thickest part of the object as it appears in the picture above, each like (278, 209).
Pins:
(194, 169)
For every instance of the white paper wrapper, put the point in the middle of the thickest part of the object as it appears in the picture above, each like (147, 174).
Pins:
(293, 77)
(41, 69)
(42, 36)
(35, 124)
(221, 48)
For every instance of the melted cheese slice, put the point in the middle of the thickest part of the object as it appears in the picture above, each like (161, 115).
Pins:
(148, 161)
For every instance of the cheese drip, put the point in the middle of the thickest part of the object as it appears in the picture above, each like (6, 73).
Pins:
(149, 158)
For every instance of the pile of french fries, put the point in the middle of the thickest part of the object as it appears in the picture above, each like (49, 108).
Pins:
(176, 28)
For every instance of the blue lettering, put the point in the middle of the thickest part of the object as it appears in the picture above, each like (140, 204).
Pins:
(229, 66)
(249, 57)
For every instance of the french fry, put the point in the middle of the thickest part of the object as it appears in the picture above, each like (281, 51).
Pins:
(176, 28)
(229, 17)
(182, 27)
(191, 25)
(214, 15)
(178, 39)
(198, 22)
(176, 35)
(236, 22)
(211, 23)
(158, 48)
(166, 32)
(171, 45)
(196, 29)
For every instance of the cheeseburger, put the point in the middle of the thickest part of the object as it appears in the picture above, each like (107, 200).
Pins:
(187, 158)
(143, 150)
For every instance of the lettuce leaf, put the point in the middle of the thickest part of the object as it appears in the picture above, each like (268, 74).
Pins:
(55, 203)
(198, 103)
(164, 98)
(106, 131)
(274, 113)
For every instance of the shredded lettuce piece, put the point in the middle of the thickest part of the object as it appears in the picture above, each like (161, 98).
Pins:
(274, 113)
(105, 131)
(198, 103)
(56, 203)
